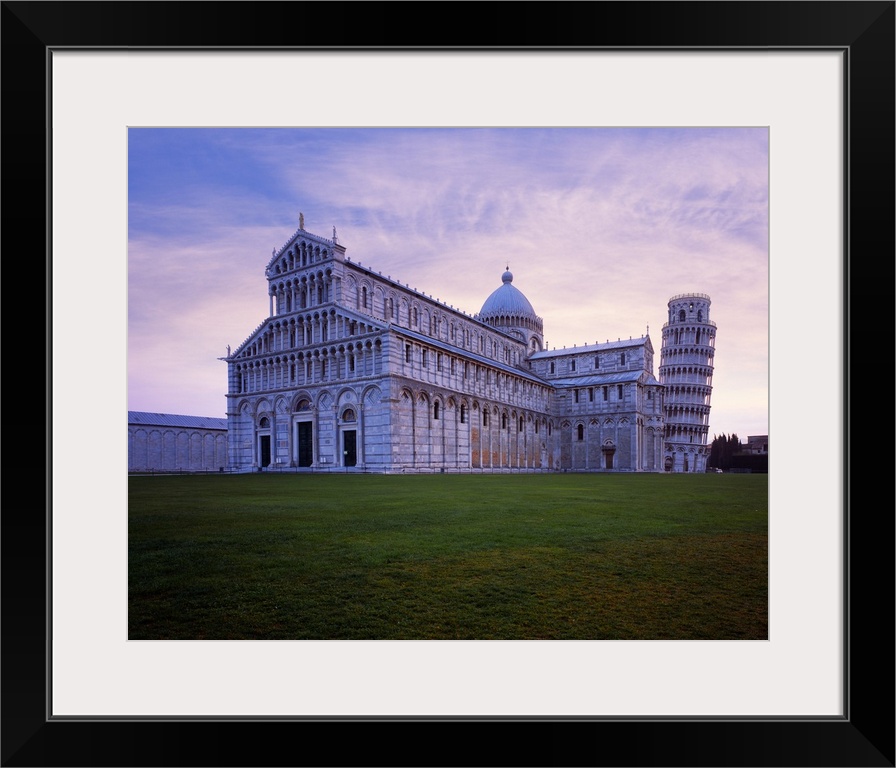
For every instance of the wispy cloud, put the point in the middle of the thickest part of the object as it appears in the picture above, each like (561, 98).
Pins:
(599, 226)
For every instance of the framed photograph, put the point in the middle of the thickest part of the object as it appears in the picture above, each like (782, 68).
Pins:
(816, 77)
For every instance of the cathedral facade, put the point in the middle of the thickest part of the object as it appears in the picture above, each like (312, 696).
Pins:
(352, 370)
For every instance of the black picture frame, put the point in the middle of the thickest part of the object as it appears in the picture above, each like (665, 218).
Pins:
(864, 736)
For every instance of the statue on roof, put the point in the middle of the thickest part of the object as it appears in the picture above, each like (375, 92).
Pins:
(301, 220)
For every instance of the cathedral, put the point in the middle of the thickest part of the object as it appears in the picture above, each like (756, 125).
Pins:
(354, 371)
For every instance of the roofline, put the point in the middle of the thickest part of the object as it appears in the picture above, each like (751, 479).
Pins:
(600, 379)
(305, 233)
(157, 419)
(460, 352)
(618, 344)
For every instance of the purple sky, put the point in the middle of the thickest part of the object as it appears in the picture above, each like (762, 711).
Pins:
(600, 227)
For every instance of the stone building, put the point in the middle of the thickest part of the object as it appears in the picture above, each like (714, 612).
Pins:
(165, 442)
(353, 369)
(757, 444)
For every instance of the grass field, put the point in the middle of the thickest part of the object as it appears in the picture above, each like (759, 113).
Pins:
(448, 557)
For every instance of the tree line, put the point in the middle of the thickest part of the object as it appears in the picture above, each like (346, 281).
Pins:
(722, 449)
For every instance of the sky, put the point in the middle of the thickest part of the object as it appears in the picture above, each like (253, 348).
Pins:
(599, 226)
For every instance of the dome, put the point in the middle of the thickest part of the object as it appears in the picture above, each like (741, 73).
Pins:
(507, 300)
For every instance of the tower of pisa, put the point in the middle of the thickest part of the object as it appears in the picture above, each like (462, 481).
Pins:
(686, 365)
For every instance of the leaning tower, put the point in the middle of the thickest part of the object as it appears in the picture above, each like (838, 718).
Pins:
(686, 364)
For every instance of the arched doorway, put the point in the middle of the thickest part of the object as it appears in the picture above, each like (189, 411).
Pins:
(608, 449)
(304, 435)
(264, 442)
(348, 428)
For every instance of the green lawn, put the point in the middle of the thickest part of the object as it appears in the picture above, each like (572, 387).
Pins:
(448, 557)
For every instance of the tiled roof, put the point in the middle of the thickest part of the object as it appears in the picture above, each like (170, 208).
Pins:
(175, 420)
(601, 347)
(597, 379)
